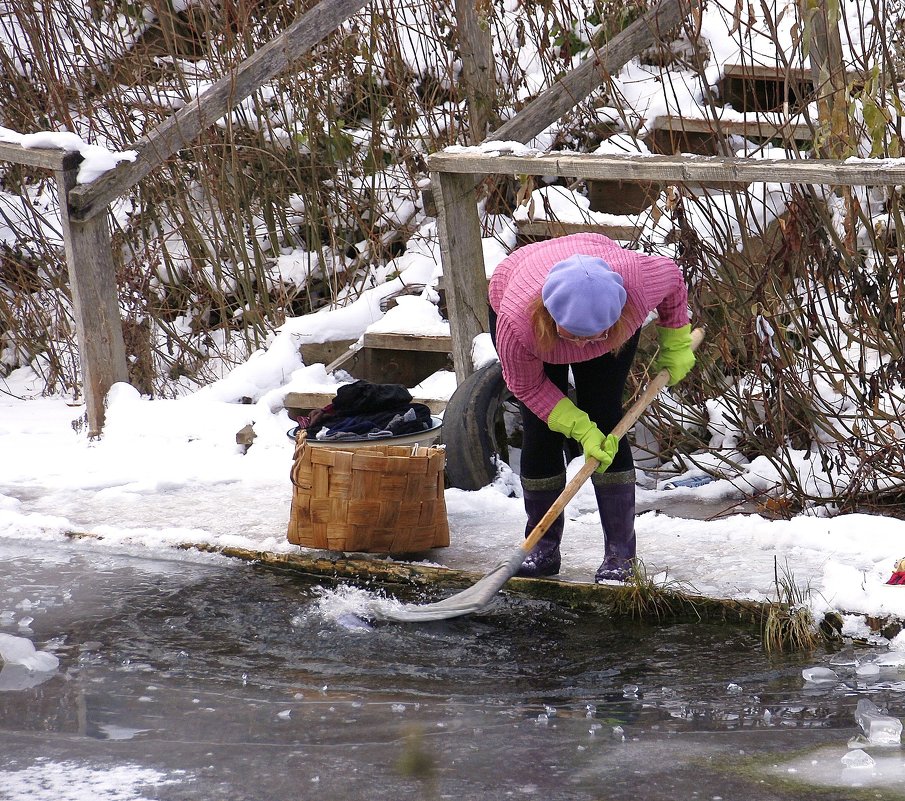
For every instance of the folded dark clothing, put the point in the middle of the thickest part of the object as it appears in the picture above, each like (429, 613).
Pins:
(359, 424)
(408, 419)
(363, 397)
(416, 418)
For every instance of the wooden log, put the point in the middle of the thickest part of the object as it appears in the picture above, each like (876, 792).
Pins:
(462, 257)
(674, 169)
(95, 301)
(576, 595)
(187, 123)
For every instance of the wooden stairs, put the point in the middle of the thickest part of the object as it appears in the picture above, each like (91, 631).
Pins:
(761, 104)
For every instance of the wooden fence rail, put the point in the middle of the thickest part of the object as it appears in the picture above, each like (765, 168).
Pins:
(672, 169)
(453, 174)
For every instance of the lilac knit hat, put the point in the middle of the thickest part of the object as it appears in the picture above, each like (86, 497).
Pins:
(583, 295)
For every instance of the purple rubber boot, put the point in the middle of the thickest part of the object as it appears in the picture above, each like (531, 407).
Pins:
(544, 558)
(616, 501)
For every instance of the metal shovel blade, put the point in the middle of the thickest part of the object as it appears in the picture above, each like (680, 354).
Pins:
(467, 602)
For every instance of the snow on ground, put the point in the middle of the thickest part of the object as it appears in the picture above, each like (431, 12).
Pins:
(169, 472)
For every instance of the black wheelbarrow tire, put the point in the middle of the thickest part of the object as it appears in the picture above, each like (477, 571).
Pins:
(473, 430)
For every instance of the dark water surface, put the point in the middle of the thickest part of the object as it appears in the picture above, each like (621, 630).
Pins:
(205, 679)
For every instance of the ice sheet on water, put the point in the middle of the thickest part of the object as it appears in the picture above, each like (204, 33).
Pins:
(879, 728)
(892, 659)
(112, 732)
(46, 780)
(16, 677)
(828, 766)
(819, 674)
(21, 651)
(858, 759)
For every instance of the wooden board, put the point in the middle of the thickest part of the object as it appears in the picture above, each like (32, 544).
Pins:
(420, 342)
(546, 229)
(307, 401)
(676, 169)
(49, 158)
(750, 129)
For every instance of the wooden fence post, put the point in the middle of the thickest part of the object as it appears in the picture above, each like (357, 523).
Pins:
(821, 24)
(478, 68)
(462, 257)
(95, 302)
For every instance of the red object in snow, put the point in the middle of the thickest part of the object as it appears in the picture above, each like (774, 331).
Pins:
(898, 576)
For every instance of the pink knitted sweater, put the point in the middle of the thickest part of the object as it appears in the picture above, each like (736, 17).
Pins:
(651, 283)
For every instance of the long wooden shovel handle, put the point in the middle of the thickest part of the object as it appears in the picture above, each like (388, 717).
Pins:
(622, 428)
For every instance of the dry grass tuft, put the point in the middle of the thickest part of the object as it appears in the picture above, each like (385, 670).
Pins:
(643, 598)
(789, 625)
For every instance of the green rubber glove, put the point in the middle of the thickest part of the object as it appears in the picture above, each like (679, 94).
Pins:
(675, 352)
(566, 418)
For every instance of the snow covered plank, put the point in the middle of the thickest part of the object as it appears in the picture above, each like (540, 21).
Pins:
(753, 127)
(778, 73)
(419, 342)
(48, 158)
(674, 169)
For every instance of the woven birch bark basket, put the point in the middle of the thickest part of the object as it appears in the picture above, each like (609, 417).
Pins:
(373, 499)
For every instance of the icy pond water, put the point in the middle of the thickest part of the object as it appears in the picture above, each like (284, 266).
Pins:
(191, 677)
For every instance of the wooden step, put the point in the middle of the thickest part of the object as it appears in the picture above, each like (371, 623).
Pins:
(750, 128)
(779, 74)
(419, 342)
(547, 229)
(761, 87)
(309, 401)
(387, 358)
